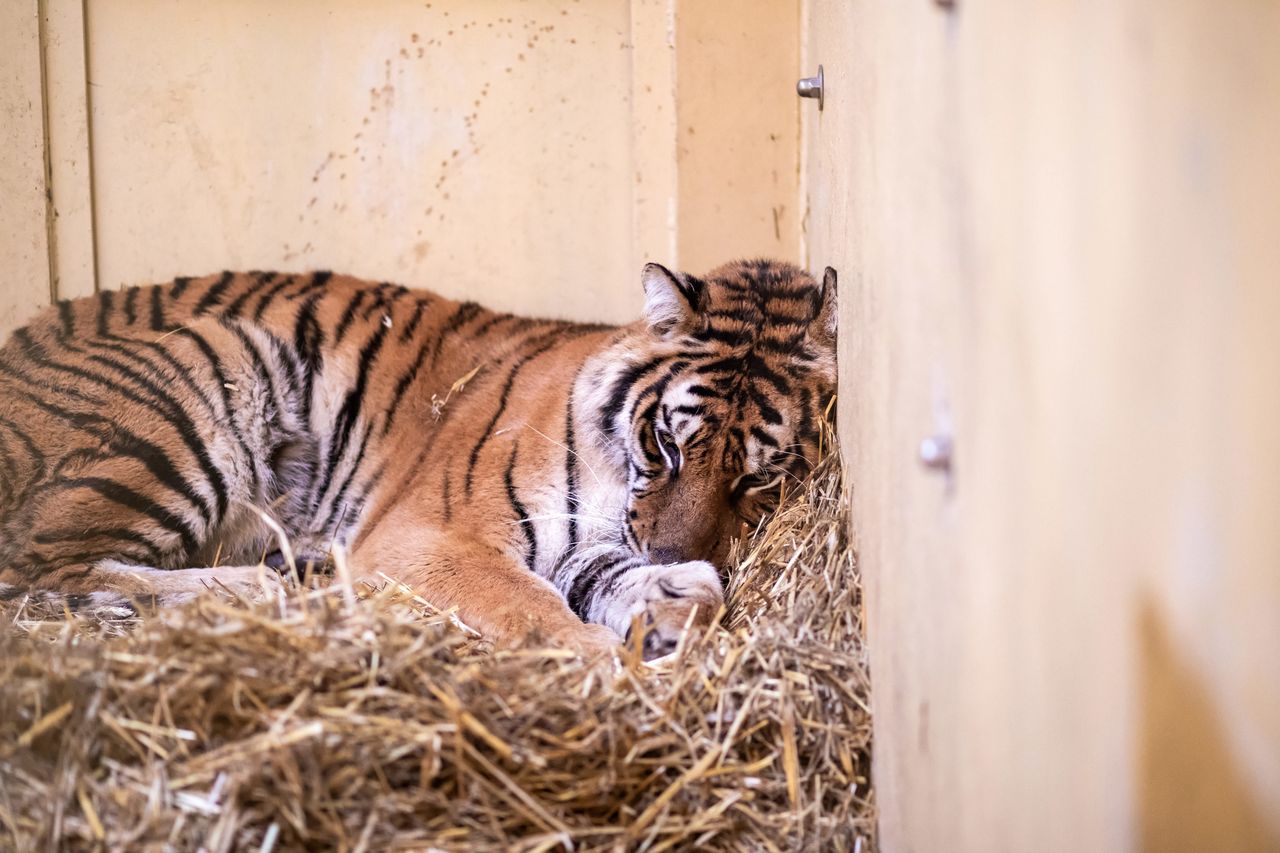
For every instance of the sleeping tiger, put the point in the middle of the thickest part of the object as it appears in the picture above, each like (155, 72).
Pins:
(537, 475)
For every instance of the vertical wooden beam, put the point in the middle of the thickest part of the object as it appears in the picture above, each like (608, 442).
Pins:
(72, 263)
(24, 245)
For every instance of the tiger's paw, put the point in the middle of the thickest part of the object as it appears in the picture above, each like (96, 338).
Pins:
(304, 565)
(668, 598)
(588, 640)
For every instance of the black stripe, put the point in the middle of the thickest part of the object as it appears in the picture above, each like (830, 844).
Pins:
(317, 281)
(763, 437)
(157, 312)
(767, 412)
(36, 454)
(270, 296)
(790, 347)
(483, 328)
(131, 306)
(571, 504)
(213, 296)
(522, 515)
(222, 382)
(67, 318)
(340, 496)
(464, 314)
(123, 495)
(119, 534)
(447, 499)
(806, 429)
(588, 577)
(552, 338)
(237, 304)
(161, 403)
(412, 326)
(308, 340)
(621, 387)
(106, 298)
(10, 466)
(348, 316)
(346, 418)
(729, 337)
(125, 348)
(179, 287)
(659, 386)
(757, 369)
(402, 385)
(119, 440)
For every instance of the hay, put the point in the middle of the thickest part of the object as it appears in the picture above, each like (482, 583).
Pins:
(315, 723)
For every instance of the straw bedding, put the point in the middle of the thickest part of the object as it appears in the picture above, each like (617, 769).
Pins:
(364, 720)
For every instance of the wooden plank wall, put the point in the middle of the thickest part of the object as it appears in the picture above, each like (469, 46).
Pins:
(24, 237)
(1058, 226)
(530, 154)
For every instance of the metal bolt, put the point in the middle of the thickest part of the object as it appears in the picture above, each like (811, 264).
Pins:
(935, 453)
(812, 87)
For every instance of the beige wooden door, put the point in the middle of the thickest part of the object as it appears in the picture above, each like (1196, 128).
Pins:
(1056, 226)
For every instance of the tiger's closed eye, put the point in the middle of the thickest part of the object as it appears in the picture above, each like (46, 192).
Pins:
(670, 450)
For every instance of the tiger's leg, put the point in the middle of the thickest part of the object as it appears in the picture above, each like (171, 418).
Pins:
(110, 583)
(613, 586)
(493, 593)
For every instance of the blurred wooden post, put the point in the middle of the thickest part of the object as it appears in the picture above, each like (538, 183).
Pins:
(1058, 230)
(24, 237)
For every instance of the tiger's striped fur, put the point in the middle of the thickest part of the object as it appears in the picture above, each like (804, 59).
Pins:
(584, 473)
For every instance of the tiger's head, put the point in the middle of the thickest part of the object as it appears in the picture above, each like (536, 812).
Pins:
(712, 403)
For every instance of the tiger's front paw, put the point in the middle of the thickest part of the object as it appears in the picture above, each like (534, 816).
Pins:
(669, 598)
(589, 641)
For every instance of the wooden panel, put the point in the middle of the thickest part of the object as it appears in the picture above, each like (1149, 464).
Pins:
(66, 93)
(523, 153)
(1056, 227)
(24, 246)
(531, 154)
(738, 134)
(476, 149)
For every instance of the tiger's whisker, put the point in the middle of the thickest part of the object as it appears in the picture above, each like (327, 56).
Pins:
(576, 454)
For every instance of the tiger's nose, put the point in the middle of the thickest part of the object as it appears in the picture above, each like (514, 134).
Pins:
(666, 555)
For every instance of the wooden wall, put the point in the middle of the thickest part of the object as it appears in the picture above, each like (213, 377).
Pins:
(1058, 226)
(530, 154)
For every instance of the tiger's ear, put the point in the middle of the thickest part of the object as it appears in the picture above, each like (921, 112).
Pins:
(671, 299)
(823, 328)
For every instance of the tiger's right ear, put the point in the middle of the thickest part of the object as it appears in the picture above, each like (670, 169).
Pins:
(671, 299)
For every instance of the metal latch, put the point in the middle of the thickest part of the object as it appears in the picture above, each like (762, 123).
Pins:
(811, 87)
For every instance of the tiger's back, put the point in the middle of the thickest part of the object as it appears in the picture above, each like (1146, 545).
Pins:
(152, 424)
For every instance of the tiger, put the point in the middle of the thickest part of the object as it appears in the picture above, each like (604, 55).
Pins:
(563, 479)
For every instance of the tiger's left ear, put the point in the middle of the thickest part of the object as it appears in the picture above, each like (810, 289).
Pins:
(671, 299)
(823, 328)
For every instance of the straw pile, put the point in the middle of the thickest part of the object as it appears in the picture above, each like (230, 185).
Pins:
(317, 722)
